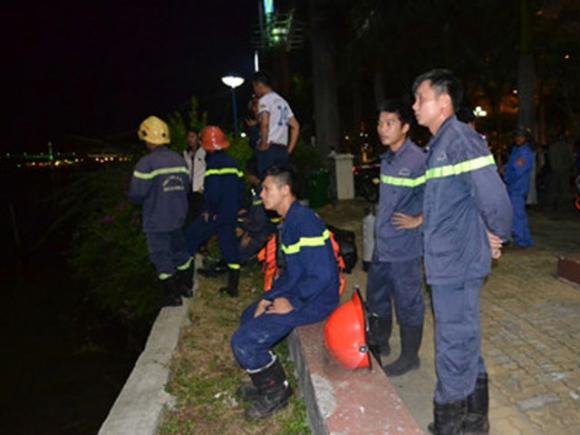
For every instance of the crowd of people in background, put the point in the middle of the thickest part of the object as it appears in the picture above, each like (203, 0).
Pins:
(445, 209)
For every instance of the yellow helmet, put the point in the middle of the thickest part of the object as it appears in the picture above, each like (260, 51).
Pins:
(154, 130)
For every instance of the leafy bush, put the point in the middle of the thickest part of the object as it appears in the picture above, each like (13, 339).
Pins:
(178, 126)
(109, 252)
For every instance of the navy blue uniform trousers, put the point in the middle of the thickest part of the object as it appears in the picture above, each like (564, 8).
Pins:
(200, 230)
(252, 342)
(520, 227)
(398, 282)
(276, 155)
(458, 358)
(167, 252)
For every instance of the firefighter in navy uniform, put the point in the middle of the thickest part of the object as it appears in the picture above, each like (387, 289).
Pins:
(467, 214)
(395, 271)
(160, 184)
(222, 198)
(305, 291)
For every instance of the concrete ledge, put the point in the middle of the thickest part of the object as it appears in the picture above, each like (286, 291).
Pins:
(569, 269)
(345, 402)
(139, 408)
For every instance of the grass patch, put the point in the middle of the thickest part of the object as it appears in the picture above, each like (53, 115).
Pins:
(205, 374)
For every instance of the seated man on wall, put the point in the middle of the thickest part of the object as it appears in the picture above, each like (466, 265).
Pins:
(305, 291)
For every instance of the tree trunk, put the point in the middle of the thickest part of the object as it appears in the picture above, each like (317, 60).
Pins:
(526, 70)
(324, 77)
(379, 84)
(526, 85)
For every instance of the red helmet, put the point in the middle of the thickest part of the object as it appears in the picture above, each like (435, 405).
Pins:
(213, 139)
(345, 336)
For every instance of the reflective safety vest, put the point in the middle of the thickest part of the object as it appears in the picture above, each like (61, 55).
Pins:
(272, 261)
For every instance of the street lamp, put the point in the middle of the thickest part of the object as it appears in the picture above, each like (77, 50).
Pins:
(233, 82)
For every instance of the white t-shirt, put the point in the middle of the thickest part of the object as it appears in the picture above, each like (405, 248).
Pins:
(196, 166)
(280, 112)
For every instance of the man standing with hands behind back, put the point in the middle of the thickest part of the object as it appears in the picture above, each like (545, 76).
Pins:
(467, 214)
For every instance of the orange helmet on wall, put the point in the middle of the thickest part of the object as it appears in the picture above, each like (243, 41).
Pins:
(213, 139)
(345, 334)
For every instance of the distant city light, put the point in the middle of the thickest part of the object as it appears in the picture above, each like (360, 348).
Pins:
(479, 112)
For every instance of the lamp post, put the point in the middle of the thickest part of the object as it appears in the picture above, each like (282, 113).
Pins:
(233, 82)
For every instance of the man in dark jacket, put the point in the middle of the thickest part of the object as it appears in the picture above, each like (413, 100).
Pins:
(160, 184)
(395, 272)
(517, 173)
(306, 291)
(467, 214)
(222, 197)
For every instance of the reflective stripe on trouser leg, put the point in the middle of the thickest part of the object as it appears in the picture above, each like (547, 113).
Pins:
(226, 234)
(159, 247)
(457, 339)
(181, 258)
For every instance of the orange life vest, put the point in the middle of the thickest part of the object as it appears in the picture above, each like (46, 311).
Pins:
(267, 256)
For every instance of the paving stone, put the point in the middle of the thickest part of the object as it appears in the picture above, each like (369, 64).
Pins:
(538, 401)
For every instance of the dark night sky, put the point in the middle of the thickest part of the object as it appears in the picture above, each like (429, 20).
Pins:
(97, 68)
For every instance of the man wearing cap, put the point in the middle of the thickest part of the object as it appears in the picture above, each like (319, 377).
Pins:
(160, 184)
(517, 173)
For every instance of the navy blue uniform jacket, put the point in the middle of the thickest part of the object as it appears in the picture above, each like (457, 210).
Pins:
(464, 196)
(160, 183)
(222, 187)
(401, 190)
(310, 277)
(518, 169)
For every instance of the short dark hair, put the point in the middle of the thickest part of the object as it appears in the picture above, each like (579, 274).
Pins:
(262, 77)
(465, 114)
(283, 177)
(443, 81)
(402, 110)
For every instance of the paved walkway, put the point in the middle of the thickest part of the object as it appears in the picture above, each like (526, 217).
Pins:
(531, 336)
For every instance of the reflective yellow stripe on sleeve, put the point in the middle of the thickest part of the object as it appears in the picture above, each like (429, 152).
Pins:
(460, 168)
(224, 171)
(402, 182)
(304, 242)
(162, 171)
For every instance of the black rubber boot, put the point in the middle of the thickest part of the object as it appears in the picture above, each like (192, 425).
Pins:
(186, 278)
(233, 283)
(477, 422)
(171, 293)
(273, 391)
(409, 359)
(247, 392)
(449, 418)
(380, 333)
